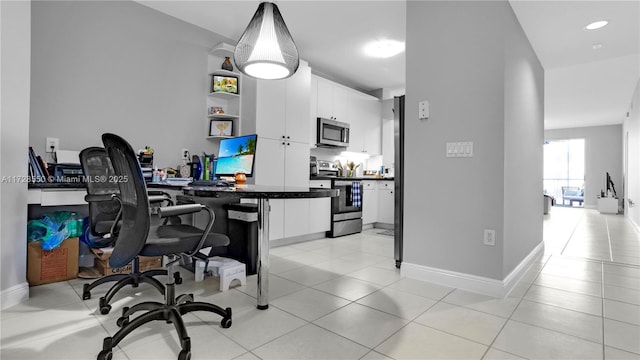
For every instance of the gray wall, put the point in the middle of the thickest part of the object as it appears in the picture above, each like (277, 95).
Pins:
(105, 66)
(464, 58)
(603, 153)
(523, 158)
(631, 128)
(14, 129)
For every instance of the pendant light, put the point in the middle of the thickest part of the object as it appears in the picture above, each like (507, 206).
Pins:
(266, 49)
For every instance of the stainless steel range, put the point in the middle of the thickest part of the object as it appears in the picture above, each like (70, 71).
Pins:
(346, 208)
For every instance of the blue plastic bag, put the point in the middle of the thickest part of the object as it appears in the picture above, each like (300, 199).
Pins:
(94, 242)
(50, 230)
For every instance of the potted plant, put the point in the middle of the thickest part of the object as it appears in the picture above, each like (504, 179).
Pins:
(351, 168)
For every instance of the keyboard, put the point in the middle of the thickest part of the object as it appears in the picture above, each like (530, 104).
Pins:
(213, 183)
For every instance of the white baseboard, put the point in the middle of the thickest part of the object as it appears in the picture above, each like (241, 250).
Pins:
(473, 283)
(14, 295)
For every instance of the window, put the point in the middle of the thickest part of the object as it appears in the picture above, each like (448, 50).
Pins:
(563, 166)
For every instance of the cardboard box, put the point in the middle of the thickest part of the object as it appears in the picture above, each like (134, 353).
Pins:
(102, 263)
(48, 266)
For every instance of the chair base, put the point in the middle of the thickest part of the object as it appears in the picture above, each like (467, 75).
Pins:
(134, 279)
(170, 311)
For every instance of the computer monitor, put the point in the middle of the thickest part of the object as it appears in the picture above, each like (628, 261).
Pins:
(236, 155)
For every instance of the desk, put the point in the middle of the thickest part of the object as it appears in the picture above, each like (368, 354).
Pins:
(52, 194)
(262, 194)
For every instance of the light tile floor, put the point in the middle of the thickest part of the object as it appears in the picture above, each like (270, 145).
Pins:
(343, 299)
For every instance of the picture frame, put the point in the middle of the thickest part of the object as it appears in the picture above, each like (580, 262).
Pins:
(225, 84)
(221, 128)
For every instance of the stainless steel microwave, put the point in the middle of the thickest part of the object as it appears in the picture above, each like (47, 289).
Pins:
(332, 133)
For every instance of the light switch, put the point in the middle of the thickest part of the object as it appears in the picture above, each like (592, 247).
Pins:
(460, 149)
(423, 110)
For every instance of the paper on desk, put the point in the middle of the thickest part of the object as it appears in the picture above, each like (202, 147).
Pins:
(68, 157)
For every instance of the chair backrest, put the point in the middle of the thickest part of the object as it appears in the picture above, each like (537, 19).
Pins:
(96, 166)
(135, 221)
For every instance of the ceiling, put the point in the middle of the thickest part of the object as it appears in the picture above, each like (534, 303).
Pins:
(583, 86)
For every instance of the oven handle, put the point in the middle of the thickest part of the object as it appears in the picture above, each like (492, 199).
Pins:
(344, 182)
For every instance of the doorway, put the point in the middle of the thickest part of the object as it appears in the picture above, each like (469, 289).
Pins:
(564, 171)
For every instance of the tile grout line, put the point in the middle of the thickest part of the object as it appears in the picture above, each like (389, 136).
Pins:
(602, 295)
(571, 235)
(606, 222)
(514, 310)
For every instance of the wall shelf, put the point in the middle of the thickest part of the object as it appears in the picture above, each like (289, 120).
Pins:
(223, 116)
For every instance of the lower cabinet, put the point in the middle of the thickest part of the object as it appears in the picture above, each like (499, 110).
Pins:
(369, 202)
(288, 218)
(319, 215)
(386, 202)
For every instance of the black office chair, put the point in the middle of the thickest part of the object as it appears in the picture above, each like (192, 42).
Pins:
(104, 216)
(137, 237)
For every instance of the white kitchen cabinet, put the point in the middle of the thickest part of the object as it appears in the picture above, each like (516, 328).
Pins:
(281, 162)
(282, 106)
(296, 217)
(313, 112)
(331, 100)
(282, 150)
(386, 202)
(388, 150)
(369, 202)
(364, 114)
(319, 209)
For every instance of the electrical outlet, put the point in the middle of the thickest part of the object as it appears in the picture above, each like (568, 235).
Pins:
(489, 237)
(184, 154)
(52, 145)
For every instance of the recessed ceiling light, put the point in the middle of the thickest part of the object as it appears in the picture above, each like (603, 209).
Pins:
(384, 48)
(597, 25)
(596, 46)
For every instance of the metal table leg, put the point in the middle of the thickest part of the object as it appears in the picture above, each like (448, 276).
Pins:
(263, 254)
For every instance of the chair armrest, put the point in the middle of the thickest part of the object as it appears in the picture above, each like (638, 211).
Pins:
(102, 197)
(157, 198)
(176, 210)
(156, 192)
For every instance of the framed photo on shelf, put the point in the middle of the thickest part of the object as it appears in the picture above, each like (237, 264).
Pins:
(221, 128)
(226, 84)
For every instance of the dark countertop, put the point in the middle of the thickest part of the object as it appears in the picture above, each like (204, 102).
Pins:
(259, 192)
(351, 178)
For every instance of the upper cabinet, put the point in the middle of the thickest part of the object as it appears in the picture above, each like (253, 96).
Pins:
(331, 100)
(362, 112)
(365, 119)
(282, 106)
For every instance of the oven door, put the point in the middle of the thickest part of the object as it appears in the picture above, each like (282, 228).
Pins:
(343, 203)
(332, 133)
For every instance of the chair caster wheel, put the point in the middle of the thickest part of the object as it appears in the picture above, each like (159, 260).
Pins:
(105, 355)
(225, 323)
(86, 294)
(122, 321)
(104, 307)
(184, 355)
(177, 278)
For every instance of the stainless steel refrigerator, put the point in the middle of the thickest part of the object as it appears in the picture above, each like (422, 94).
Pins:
(398, 144)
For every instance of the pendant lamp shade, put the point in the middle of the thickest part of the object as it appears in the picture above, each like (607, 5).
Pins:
(266, 49)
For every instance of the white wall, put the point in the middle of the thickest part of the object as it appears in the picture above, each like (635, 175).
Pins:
(15, 32)
(631, 131)
(603, 153)
(114, 66)
(473, 63)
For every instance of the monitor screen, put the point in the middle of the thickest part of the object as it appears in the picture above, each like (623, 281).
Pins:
(236, 155)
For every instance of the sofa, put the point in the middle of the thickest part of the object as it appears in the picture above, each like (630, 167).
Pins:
(571, 194)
